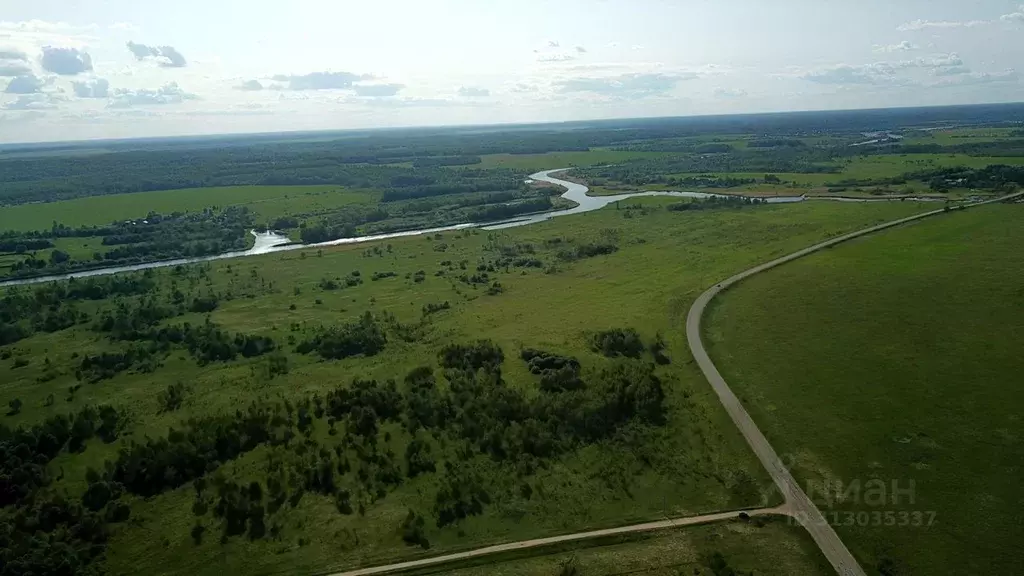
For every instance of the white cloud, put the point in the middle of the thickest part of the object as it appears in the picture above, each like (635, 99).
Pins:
(558, 57)
(893, 73)
(97, 88)
(33, 102)
(918, 25)
(376, 90)
(1014, 17)
(553, 52)
(1009, 76)
(250, 86)
(13, 54)
(951, 71)
(411, 102)
(936, 61)
(904, 46)
(14, 68)
(729, 93)
(27, 84)
(124, 27)
(30, 35)
(845, 74)
(166, 56)
(473, 92)
(321, 80)
(169, 93)
(625, 85)
(65, 61)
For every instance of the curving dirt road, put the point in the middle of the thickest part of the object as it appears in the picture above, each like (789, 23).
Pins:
(538, 542)
(800, 506)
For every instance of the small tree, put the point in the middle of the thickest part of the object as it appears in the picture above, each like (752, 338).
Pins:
(569, 567)
(172, 398)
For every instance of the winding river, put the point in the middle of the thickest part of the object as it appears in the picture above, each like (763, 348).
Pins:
(270, 242)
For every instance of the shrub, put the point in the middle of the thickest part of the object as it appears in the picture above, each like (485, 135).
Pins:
(364, 336)
(172, 398)
(412, 531)
(618, 342)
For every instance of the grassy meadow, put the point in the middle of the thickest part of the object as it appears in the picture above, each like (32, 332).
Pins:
(267, 202)
(772, 548)
(695, 462)
(896, 358)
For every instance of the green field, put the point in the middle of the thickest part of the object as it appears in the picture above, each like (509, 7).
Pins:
(775, 548)
(695, 462)
(267, 202)
(561, 159)
(875, 166)
(956, 136)
(896, 358)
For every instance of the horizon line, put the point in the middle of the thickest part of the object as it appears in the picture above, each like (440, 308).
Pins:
(5, 146)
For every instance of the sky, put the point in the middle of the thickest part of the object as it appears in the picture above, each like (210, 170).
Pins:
(86, 69)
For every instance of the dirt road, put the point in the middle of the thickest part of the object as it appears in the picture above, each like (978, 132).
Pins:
(539, 542)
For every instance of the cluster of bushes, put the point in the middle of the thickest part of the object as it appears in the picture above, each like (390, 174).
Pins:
(618, 342)
(353, 279)
(557, 373)
(106, 365)
(589, 250)
(208, 343)
(476, 408)
(41, 531)
(157, 237)
(364, 336)
(626, 342)
(715, 202)
(51, 307)
(432, 308)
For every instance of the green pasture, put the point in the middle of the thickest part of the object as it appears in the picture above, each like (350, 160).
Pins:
(267, 202)
(696, 462)
(896, 358)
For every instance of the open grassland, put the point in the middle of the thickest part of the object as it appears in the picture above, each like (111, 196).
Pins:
(695, 462)
(879, 166)
(896, 358)
(267, 202)
(560, 159)
(954, 136)
(774, 548)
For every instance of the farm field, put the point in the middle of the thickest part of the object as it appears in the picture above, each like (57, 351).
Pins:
(894, 358)
(693, 462)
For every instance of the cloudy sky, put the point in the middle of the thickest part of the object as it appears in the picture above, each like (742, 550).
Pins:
(81, 69)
